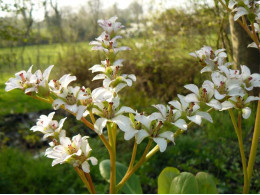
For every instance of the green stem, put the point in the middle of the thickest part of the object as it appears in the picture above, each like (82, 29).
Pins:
(254, 145)
(83, 178)
(241, 147)
(133, 157)
(90, 183)
(112, 155)
(133, 169)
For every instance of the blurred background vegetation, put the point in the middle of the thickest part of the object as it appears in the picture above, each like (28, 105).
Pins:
(161, 36)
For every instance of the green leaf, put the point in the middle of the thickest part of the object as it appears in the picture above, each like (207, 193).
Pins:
(206, 183)
(132, 186)
(185, 183)
(165, 179)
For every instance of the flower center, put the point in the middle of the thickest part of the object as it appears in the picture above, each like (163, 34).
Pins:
(71, 99)
(72, 149)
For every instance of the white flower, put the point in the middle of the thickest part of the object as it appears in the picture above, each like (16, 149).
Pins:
(49, 127)
(23, 80)
(210, 59)
(190, 110)
(110, 25)
(225, 86)
(109, 112)
(249, 80)
(205, 95)
(240, 11)
(241, 103)
(151, 128)
(57, 86)
(167, 113)
(75, 152)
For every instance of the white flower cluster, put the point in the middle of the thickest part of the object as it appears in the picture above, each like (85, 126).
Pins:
(251, 8)
(227, 88)
(62, 149)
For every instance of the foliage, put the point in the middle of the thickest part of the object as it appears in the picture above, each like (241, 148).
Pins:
(132, 186)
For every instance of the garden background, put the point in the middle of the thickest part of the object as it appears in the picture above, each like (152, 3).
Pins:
(161, 34)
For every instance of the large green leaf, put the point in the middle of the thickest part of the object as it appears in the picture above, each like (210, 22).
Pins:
(185, 183)
(132, 186)
(165, 179)
(206, 183)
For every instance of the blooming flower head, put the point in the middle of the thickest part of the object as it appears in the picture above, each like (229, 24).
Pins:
(240, 103)
(75, 151)
(110, 25)
(190, 111)
(210, 59)
(23, 80)
(151, 127)
(49, 127)
(57, 86)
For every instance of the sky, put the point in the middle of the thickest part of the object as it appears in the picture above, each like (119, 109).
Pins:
(76, 4)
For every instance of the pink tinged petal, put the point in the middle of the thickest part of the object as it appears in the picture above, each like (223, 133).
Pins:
(218, 96)
(191, 98)
(246, 112)
(231, 4)
(144, 120)
(227, 105)
(81, 110)
(214, 104)
(236, 91)
(245, 71)
(162, 143)
(140, 135)
(96, 43)
(193, 88)
(205, 115)
(76, 140)
(57, 103)
(162, 108)
(47, 72)
(66, 79)
(72, 108)
(157, 116)
(64, 141)
(123, 122)
(251, 98)
(124, 109)
(28, 90)
(130, 134)
(57, 161)
(167, 135)
(181, 124)
(85, 167)
(132, 76)
(206, 69)
(99, 125)
(61, 123)
(97, 68)
(253, 45)
(124, 48)
(176, 104)
(196, 119)
(119, 87)
(118, 62)
(240, 11)
(93, 160)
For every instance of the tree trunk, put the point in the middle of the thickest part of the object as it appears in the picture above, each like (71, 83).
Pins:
(241, 54)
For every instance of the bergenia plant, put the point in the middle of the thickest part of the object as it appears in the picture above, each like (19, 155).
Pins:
(100, 109)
